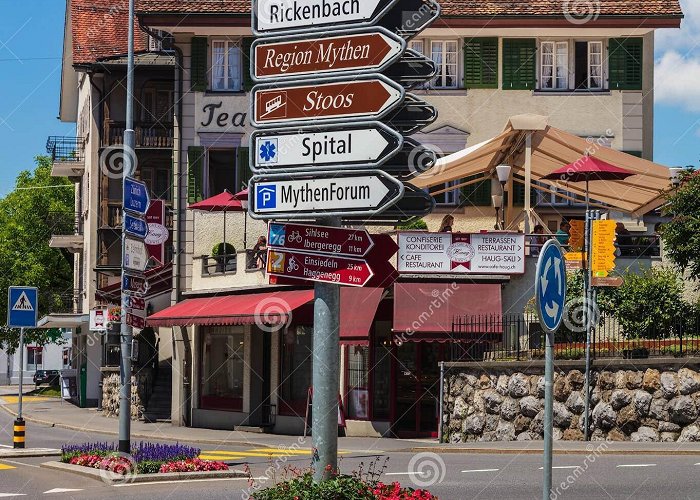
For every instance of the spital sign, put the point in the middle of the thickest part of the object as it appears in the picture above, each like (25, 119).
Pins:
(351, 52)
(368, 98)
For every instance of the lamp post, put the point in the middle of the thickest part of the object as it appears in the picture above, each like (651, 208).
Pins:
(244, 205)
(503, 173)
(497, 202)
(675, 174)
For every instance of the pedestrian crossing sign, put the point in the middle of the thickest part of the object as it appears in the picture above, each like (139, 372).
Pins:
(22, 302)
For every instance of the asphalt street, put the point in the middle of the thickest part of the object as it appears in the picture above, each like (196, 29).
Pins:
(449, 475)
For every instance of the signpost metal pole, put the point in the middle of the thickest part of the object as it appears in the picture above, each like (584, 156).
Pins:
(326, 373)
(21, 373)
(128, 167)
(586, 324)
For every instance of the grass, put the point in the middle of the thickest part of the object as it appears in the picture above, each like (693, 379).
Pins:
(47, 392)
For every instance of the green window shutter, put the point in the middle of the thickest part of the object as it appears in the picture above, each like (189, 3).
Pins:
(481, 63)
(625, 63)
(244, 173)
(195, 164)
(477, 194)
(246, 42)
(519, 63)
(198, 63)
(638, 154)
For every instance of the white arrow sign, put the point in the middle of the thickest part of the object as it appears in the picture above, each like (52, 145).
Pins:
(357, 193)
(135, 254)
(367, 146)
(276, 15)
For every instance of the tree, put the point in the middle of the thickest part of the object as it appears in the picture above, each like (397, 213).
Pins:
(25, 256)
(681, 235)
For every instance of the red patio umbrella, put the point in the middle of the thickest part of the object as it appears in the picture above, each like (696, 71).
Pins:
(588, 168)
(222, 202)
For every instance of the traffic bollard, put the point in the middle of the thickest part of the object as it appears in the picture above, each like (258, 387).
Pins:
(19, 429)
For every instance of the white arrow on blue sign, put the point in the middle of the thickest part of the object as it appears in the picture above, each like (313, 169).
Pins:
(135, 196)
(550, 286)
(22, 306)
(135, 226)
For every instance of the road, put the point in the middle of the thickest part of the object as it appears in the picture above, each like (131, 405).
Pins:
(459, 476)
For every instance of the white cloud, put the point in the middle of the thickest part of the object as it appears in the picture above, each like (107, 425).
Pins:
(685, 40)
(676, 80)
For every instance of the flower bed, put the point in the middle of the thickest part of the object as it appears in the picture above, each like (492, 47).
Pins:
(145, 458)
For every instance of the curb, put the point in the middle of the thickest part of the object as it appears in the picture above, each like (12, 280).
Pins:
(137, 434)
(555, 451)
(112, 479)
(30, 452)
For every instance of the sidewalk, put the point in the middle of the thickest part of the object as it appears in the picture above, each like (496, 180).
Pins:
(55, 413)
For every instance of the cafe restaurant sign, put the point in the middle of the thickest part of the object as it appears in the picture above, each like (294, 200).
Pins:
(461, 253)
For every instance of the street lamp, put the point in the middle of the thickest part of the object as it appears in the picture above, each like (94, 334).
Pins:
(675, 173)
(497, 202)
(244, 205)
(503, 173)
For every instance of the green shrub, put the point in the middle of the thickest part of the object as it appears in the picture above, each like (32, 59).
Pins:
(223, 249)
(414, 224)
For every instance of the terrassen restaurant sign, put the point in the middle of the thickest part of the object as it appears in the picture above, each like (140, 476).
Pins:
(463, 253)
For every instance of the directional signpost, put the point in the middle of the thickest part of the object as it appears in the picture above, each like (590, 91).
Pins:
(365, 145)
(22, 312)
(332, 105)
(136, 197)
(359, 193)
(550, 293)
(135, 255)
(135, 226)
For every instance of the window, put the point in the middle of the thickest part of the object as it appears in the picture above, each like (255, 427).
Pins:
(481, 63)
(554, 65)
(225, 65)
(222, 370)
(358, 382)
(477, 194)
(448, 197)
(222, 171)
(34, 357)
(417, 45)
(296, 369)
(444, 54)
(595, 65)
(519, 63)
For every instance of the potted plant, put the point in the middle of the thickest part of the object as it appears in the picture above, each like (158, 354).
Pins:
(225, 256)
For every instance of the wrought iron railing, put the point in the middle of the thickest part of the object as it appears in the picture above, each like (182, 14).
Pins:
(66, 148)
(519, 337)
(147, 135)
(64, 223)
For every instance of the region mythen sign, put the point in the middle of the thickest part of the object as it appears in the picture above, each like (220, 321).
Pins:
(465, 253)
(364, 145)
(275, 17)
(338, 100)
(351, 52)
(335, 240)
(315, 267)
(362, 192)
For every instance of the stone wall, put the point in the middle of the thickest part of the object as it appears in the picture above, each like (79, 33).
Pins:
(496, 402)
(110, 394)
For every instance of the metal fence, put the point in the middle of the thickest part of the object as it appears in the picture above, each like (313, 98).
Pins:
(519, 337)
(66, 148)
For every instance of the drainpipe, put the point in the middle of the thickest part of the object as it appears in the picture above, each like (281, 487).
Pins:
(440, 399)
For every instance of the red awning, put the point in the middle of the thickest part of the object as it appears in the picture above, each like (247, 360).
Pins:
(426, 311)
(358, 307)
(268, 308)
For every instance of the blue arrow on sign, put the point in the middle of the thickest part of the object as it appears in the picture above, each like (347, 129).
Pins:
(135, 196)
(22, 306)
(550, 286)
(135, 226)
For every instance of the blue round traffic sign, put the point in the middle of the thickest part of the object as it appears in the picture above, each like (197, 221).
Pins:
(550, 286)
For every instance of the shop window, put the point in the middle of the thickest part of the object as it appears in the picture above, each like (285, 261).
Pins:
(358, 383)
(296, 369)
(381, 371)
(222, 371)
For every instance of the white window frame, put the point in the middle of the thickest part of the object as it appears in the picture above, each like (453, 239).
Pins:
(590, 65)
(230, 85)
(555, 75)
(439, 81)
(451, 196)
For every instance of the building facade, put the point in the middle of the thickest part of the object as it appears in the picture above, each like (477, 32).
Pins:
(241, 345)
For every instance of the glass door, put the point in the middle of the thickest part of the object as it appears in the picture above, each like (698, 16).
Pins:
(406, 392)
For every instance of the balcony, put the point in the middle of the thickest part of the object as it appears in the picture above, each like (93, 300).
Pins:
(68, 156)
(66, 231)
(68, 302)
(147, 135)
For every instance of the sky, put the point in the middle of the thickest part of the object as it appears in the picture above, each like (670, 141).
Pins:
(31, 41)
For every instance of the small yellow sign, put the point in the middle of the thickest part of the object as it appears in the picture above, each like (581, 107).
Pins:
(576, 235)
(602, 247)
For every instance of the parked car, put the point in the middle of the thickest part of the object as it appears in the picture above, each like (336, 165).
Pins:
(50, 377)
